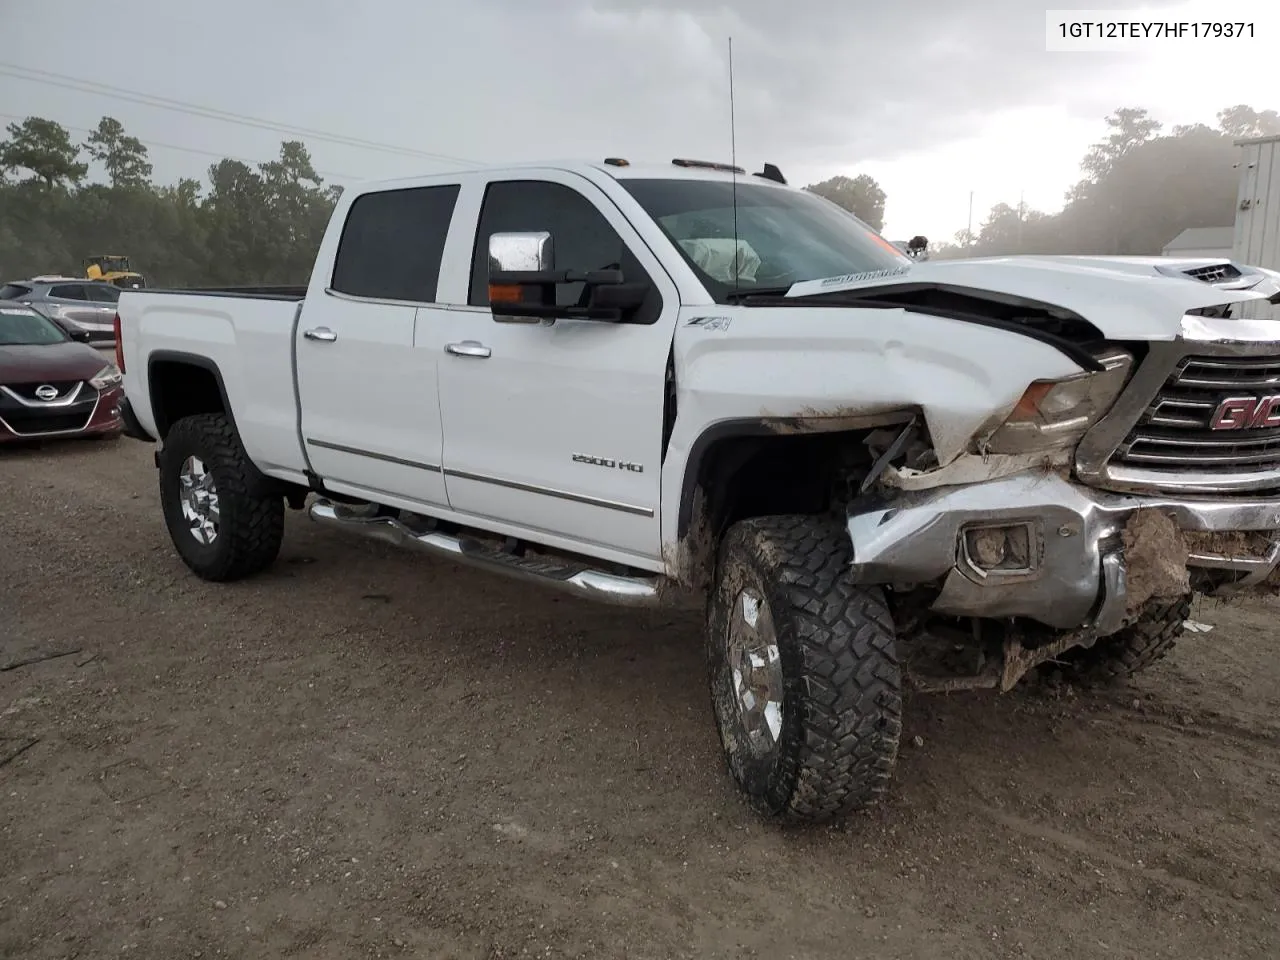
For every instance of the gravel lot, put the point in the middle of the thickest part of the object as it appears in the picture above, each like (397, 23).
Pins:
(368, 753)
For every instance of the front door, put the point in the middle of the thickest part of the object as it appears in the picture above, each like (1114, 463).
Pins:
(370, 405)
(558, 427)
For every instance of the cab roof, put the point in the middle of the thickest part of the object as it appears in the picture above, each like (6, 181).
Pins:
(619, 169)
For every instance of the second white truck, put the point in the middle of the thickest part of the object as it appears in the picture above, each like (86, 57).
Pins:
(655, 384)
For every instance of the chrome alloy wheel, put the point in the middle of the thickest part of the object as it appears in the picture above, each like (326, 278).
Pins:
(199, 499)
(755, 671)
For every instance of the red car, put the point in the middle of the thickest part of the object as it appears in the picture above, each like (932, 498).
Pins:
(53, 385)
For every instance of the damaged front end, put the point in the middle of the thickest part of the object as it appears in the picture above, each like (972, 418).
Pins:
(1165, 482)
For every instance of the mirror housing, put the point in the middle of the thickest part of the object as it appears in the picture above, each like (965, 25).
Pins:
(521, 252)
(79, 336)
(523, 284)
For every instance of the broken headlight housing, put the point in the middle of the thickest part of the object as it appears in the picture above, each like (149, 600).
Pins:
(1055, 414)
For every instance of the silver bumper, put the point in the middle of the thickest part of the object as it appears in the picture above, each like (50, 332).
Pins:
(1076, 575)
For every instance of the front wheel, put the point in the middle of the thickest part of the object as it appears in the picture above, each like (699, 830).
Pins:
(220, 527)
(805, 680)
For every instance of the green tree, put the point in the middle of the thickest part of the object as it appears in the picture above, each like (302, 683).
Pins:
(299, 206)
(860, 195)
(124, 157)
(43, 148)
(1243, 121)
(1141, 191)
(1129, 127)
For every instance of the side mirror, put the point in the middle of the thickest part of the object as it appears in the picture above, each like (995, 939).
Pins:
(523, 284)
(80, 336)
(524, 254)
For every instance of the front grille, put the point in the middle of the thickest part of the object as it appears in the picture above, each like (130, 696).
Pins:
(1177, 431)
(33, 423)
(28, 390)
(43, 418)
(1213, 274)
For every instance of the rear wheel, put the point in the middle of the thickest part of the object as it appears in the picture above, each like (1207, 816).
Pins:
(1124, 654)
(221, 529)
(805, 681)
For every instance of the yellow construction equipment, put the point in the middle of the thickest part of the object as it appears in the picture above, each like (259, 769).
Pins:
(113, 270)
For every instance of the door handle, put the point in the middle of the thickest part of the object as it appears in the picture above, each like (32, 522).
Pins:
(469, 348)
(323, 334)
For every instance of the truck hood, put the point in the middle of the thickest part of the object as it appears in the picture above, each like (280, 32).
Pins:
(1127, 298)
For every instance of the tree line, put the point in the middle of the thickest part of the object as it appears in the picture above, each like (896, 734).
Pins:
(263, 223)
(1140, 188)
(250, 224)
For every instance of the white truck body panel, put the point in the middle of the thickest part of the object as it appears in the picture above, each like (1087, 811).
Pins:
(249, 342)
(374, 391)
(1125, 297)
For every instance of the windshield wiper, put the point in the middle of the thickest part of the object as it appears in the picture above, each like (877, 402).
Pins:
(745, 293)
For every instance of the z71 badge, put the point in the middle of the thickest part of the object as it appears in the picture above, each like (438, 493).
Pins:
(609, 462)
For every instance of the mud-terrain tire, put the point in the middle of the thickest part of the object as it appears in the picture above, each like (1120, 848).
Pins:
(819, 737)
(248, 529)
(1116, 658)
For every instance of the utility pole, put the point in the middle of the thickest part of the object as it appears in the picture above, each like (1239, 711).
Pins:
(968, 230)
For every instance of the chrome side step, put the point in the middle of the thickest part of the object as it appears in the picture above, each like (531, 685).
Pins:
(577, 579)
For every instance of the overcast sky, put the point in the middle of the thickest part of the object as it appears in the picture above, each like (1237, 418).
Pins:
(934, 98)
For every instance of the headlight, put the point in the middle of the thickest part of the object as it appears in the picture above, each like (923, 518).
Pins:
(1054, 414)
(106, 378)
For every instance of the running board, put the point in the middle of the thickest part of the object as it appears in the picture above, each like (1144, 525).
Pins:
(577, 579)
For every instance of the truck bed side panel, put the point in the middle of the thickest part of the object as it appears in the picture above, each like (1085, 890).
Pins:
(250, 342)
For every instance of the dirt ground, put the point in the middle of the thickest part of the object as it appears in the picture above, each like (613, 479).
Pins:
(366, 753)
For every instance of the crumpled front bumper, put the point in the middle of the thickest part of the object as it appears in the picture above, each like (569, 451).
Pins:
(1075, 575)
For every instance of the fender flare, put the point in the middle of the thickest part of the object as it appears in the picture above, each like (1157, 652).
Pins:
(192, 360)
(260, 484)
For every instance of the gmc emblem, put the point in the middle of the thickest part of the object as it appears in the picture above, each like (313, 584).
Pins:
(1246, 413)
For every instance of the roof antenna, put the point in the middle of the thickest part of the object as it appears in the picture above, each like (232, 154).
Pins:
(733, 160)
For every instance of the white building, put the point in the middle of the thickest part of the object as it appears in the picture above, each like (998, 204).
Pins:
(1201, 242)
(1257, 230)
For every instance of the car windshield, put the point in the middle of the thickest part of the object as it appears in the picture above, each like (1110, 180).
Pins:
(26, 328)
(783, 236)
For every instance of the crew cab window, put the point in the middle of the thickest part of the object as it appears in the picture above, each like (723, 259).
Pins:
(68, 292)
(103, 294)
(392, 244)
(582, 239)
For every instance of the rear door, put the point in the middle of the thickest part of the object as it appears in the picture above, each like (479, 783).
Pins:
(105, 298)
(370, 408)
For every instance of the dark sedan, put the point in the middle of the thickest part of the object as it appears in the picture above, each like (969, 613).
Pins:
(52, 386)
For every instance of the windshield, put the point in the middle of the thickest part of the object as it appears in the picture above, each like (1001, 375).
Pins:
(26, 327)
(783, 236)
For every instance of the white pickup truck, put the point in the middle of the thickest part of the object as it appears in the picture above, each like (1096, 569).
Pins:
(649, 384)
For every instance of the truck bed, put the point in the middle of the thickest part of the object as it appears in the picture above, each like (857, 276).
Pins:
(242, 337)
(269, 292)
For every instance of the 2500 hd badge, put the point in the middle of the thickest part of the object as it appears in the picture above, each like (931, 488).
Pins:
(608, 462)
